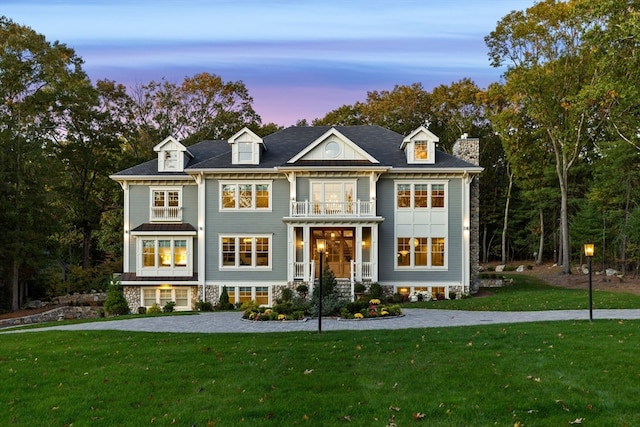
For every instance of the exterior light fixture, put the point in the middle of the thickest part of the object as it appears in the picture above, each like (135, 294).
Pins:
(321, 245)
(589, 250)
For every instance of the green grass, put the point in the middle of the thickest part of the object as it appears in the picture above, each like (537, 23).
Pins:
(533, 294)
(536, 374)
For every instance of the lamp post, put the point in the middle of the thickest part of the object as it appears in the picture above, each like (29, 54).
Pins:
(320, 246)
(588, 252)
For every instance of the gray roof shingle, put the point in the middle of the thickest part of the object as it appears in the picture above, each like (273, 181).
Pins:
(380, 143)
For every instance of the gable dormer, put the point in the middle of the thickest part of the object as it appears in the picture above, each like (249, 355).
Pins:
(420, 146)
(172, 156)
(333, 145)
(246, 148)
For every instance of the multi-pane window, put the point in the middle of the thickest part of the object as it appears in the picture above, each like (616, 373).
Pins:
(166, 205)
(245, 251)
(333, 197)
(245, 152)
(437, 251)
(240, 294)
(417, 252)
(161, 296)
(162, 255)
(437, 195)
(421, 150)
(420, 196)
(404, 195)
(245, 196)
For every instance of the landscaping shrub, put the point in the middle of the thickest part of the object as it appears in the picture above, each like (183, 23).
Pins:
(169, 307)
(302, 291)
(142, 310)
(223, 301)
(154, 309)
(115, 304)
(204, 306)
(375, 290)
(286, 294)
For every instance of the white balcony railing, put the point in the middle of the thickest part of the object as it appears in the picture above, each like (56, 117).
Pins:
(351, 209)
(172, 213)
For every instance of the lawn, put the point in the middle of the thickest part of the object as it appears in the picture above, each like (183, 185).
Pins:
(529, 293)
(539, 374)
(530, 374)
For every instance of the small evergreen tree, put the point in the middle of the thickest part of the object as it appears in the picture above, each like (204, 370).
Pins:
(116, 303)
(223, 301)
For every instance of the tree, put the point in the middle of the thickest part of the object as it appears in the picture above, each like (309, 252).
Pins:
(547, 73)
(202, 107)
(38, 80)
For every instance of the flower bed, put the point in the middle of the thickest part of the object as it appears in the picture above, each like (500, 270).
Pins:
(363, 309)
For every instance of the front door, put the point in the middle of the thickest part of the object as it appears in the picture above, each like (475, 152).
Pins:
(339, 250)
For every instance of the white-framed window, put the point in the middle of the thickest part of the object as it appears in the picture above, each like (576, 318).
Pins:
(166, 204)
(245, 195)
(165, 256)
(245, 252)
(421, 252)
(421, 151)
(333, 197)
(162, 295)
(245, 152)
(421, 195)
(245, 293)
(170, 160)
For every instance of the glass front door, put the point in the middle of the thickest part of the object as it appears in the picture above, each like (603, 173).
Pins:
(339, 250)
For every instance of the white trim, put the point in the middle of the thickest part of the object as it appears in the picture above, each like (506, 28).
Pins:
(238, 266)
(157, 270)
(172, 288)
(333, 132)
(126, 262)
(253, 184)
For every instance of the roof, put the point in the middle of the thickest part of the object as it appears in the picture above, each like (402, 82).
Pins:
(382, 144)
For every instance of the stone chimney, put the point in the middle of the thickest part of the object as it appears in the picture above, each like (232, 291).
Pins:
(468, 149)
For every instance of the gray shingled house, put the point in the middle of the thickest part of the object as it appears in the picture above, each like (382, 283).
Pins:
(246, 213)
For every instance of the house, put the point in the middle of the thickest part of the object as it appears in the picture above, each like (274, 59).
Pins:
(246, 214)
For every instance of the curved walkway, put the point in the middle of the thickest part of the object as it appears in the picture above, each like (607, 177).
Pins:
(413, 318)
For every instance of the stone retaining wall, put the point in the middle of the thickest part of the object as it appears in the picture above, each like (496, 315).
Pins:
(60, 313)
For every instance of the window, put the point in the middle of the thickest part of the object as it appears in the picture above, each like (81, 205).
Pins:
(245, 252)
(437, 251)
(240, 294)
(161, 296)
(245, 152)
(414, 252)
(437, 195)
(164, 256)
(245, 196)
(333, 197)
(420, 196)
(421, 150)
(170, 160)
(166, 204)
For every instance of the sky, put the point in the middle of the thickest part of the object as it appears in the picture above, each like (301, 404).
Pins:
(299, 59)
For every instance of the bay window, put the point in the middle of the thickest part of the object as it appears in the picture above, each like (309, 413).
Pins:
(164, 256)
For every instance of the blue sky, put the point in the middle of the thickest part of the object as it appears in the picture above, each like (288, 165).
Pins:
(299, 59)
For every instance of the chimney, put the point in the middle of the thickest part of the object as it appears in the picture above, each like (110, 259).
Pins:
(467, 149)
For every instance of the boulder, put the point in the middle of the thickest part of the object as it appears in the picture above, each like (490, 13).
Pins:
(500, 268)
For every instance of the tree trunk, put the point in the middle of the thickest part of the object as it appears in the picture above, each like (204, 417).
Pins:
(541, 241)
(506, 216)
(15, 285)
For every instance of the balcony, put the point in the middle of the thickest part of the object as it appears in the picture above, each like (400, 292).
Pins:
(167, 214)
(333, 209)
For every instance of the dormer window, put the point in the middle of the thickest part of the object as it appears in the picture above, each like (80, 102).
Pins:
(170, 160)
(246, 148)
(172, 156)
(421, 150)
(245, 152)
(420, 146)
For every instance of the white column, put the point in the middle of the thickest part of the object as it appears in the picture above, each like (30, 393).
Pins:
(358, 253)
(466, 215)
(291, 252)
(374, 252)
(202, 193)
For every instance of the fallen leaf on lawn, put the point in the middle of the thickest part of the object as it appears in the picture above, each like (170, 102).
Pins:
(347, 417)
(418, 416)
(308, 371)
(577, 421)
(305, 417)
(394, 408)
